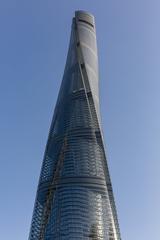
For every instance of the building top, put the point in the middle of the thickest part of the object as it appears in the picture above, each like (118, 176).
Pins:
(84, 12)
(85, 16)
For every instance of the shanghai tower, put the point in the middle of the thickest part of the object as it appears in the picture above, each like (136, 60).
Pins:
(74, 199)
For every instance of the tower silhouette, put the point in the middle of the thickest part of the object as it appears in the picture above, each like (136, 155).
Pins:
(74, 197)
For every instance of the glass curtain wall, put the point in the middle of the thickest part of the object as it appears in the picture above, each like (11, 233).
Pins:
(74, 197)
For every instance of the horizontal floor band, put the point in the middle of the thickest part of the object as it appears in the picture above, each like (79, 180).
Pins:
(80, 181)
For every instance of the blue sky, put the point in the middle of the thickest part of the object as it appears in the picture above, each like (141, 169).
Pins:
(33, 46)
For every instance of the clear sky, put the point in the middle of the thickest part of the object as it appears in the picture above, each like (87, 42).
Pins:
(34, 38)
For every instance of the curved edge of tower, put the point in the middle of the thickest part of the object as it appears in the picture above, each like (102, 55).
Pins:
(88, 56)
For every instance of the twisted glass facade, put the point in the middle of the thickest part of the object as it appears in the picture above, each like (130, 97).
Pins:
(74, 198)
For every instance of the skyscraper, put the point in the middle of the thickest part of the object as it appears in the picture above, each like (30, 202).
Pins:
(74, 197)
